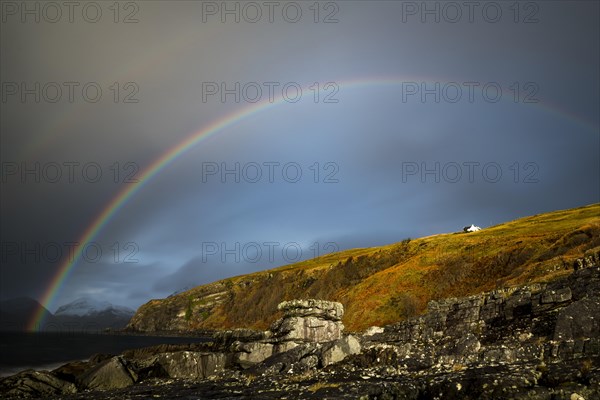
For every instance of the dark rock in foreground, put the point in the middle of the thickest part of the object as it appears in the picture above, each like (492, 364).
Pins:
(35, 384)
(540, 341)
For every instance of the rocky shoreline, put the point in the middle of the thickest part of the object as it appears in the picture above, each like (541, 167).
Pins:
(540, 341)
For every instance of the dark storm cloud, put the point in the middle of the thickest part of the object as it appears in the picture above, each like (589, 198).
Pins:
(119, 283)
(196, 272)
(371, 138)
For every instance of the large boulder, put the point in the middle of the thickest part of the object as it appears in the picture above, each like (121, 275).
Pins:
(32, 383)
(111, 374)
(309, 321)
(306, 324)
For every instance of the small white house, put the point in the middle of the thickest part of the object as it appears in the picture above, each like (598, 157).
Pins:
(471, 228)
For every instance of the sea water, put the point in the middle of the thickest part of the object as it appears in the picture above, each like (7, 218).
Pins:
(47, 351)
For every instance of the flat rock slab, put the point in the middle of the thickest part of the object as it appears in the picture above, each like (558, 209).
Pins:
(340, 349)
(192, 365)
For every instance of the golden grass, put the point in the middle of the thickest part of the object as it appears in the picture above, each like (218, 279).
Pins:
(322, 385)
(381, 285)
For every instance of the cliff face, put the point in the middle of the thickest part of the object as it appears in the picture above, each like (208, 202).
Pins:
(539, 341)
(180, 312)
(379, 286)
(503, 343)
(532, 323)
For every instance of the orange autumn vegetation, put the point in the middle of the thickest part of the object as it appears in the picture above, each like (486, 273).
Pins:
(382, 285)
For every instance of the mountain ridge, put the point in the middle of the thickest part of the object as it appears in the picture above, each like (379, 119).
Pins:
(86, 306)
(83, 314)
(16, 313)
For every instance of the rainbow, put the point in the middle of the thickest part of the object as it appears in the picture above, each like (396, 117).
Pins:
(127, 193)
(168, 157)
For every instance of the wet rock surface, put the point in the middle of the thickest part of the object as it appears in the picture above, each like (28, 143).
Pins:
(540, 341)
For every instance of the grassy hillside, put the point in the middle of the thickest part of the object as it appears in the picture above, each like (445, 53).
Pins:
(381, 285)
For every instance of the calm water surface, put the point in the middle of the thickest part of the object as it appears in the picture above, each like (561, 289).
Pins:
(19, 351)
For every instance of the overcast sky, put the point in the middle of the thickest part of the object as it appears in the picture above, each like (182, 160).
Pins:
(412, 120)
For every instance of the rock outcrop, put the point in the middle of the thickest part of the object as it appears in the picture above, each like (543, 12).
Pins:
(111, 374)
(305, 323)
(309, 321)
(537, 342)
(37, 384)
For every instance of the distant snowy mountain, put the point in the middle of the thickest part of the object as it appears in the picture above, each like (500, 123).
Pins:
(81, 315)
(87, 307)
(86, 314)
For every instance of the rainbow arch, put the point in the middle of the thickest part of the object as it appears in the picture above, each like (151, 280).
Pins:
(181, 148)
